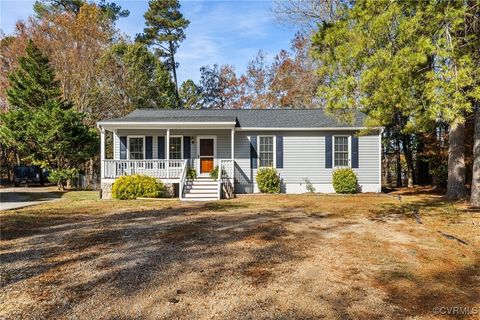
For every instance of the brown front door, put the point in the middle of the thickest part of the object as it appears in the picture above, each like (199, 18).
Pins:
(206, 155)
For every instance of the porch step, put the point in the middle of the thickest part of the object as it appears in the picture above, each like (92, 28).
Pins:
(201, 189)
(201, 182)
(200, 196)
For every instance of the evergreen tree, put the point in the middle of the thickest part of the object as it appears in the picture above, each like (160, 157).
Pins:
(40, 126)
(405, 64)
(144, 81)
(190, 94)
(33, 83)
(165, 30)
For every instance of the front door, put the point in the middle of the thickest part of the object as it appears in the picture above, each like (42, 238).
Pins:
(207, 154)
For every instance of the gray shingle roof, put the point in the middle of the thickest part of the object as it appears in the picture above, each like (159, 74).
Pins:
(246, 118)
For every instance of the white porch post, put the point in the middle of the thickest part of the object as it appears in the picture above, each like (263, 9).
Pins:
(233, 144)
(102, 152)
(168, 154)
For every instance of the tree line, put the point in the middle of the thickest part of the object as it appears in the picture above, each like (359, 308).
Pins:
(411, 66)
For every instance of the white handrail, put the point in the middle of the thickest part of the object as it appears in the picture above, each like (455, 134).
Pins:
(157, 168)
(219, 180)
(182, 180)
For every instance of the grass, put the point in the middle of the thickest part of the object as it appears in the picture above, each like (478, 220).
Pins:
(275, 256)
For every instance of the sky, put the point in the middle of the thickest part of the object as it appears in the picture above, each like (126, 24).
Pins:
(222, 32)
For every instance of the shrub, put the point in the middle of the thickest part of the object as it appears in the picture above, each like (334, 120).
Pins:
(214, 173)
(309, 186)
(62, 176)
(345, 181)
(136, 186)
(268, 180)
(191, 173)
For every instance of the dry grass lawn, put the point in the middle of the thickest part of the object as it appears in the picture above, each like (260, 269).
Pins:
(254, 257)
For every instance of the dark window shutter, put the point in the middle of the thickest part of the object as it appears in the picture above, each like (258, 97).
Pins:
(328, 151)
(148, 148)
(161, 147)
(354, 152)
(123, 147)
(279, 152)
(253, 152)
(186, 147)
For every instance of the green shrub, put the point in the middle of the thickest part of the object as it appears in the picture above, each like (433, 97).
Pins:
(62, 176)
(268, 180)
(137, 186)
(309, 186)
(191, 173)
(345, 181)
(214, 173)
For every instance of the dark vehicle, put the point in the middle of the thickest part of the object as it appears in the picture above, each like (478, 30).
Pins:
(29, 175)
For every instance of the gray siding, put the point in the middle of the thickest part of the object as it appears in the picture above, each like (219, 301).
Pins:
(304, 154)
(304, 157)
(223, 140)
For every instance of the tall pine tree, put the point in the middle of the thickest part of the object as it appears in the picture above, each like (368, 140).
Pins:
(40, 126)
(164, 32)
(33, 83)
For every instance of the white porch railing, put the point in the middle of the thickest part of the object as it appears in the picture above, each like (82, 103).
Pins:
(161, 169)
(183, 177)
(226, 178)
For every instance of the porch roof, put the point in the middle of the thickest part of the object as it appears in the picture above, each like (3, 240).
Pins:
(247, 119)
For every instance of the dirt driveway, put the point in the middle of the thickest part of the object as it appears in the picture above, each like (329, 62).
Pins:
(274, 257)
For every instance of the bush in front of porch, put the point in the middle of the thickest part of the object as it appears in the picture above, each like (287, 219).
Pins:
(268, 180)
(137, 186)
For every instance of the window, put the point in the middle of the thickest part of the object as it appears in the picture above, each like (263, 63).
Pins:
(175, 148)
(340, 152)
(266, 151)
(135, 148)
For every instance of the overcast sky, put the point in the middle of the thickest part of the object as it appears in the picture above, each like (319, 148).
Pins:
(220, 31)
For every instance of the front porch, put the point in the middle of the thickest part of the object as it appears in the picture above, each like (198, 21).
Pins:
(167, 154)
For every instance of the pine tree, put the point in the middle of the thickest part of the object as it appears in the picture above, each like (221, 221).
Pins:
(41, 126)
(33, 83)
(165, 30)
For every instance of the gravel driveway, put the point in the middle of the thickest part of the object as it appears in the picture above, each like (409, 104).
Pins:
(227, 260)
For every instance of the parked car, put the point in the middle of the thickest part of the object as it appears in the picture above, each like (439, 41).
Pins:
(29, 175)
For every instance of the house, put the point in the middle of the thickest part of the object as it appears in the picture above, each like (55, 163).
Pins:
(302, 144)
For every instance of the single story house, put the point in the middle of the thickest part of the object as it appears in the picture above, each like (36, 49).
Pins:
(304, 145)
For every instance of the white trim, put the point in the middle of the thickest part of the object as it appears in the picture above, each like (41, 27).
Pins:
(181, 145)
(214, 150)
(349, 156)
(274, 150)
(128, 146)
(379, 159)
(305, 129)
(166, 125)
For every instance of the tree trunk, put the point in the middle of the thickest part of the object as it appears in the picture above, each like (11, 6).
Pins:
(475, 196)
(174, 70)
(409, 159)
(399, 164)
(456, 162)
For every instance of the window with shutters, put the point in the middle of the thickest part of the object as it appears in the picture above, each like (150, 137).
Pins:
(341, 151)
(266, 151)
(176, 147)
(136, 148)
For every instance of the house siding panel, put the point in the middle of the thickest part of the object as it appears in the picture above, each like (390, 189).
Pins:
(303, 156)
